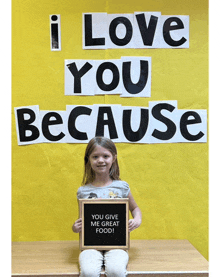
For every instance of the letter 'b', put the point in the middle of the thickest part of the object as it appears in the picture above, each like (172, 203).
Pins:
(25, 125)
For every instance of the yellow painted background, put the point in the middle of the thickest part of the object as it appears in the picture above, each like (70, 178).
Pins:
(168, 181)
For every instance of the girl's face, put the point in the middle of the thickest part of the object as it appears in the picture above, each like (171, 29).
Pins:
(101, 160)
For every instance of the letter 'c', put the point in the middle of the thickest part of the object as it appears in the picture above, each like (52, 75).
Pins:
(80, 110)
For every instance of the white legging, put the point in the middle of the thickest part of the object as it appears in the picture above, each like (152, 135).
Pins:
(115, 263)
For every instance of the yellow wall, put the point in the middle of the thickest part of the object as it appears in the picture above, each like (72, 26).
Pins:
(169, 181)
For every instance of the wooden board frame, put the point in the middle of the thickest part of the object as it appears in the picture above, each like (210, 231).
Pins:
(84, 204)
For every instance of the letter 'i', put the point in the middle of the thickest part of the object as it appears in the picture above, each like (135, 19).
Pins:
(55, 37)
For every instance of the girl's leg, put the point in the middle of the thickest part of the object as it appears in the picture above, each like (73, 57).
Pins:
(116, 263)
(90, 262)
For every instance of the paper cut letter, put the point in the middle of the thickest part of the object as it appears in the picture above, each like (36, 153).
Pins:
(55, 36)
(171, 127)
(101, 122)
(27, 125)
(78, 74)
(134, 136)
(185, 120)
(51, 118)
(77, 111)
(147, 33)
(89, 40)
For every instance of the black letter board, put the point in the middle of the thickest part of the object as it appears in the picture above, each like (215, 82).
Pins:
(104, 224)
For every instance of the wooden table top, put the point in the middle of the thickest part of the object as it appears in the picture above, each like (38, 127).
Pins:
(61, 257)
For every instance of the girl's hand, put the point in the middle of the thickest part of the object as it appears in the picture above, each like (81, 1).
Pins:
(77, 226)
(133, 224)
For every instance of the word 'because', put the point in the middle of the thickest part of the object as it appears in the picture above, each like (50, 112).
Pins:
(162, 122)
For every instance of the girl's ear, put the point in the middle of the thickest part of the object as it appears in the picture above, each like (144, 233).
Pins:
(86, 159)
(114, 158)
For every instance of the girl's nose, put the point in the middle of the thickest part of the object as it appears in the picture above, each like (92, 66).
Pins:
(100, 159)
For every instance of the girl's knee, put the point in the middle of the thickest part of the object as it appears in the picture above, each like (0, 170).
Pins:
(89, 272)
(90, 263)
(116, 272)
(116, 263)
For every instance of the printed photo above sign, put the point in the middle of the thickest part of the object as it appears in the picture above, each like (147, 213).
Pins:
(161, 122)
(128, 76)
(138, 30)
(104, 224)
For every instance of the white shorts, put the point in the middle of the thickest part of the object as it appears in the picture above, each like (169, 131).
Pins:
(114, 261)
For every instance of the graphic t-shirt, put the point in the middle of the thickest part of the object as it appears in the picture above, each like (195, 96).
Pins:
(117, 189)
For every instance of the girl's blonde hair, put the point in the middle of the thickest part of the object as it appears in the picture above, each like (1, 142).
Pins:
(106, 143)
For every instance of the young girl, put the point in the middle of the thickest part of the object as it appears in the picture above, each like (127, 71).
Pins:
(101, 180)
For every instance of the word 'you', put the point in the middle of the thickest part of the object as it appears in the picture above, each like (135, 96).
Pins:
(128, 76)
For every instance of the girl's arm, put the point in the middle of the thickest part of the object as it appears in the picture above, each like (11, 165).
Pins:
(136, 213)
(77, 226)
